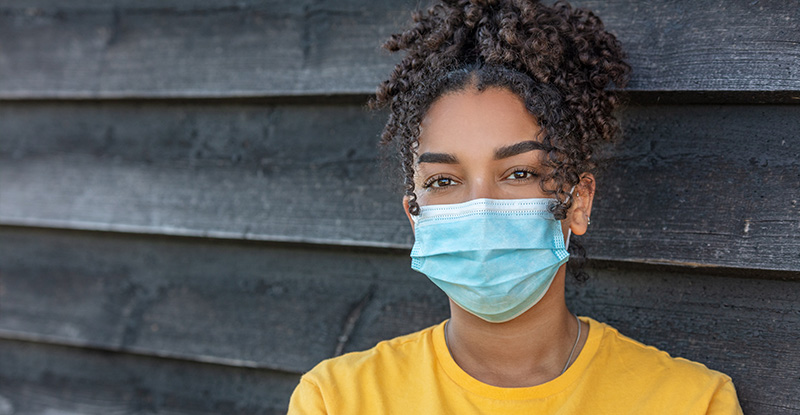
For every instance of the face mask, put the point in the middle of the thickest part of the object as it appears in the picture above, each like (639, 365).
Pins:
(494, 258)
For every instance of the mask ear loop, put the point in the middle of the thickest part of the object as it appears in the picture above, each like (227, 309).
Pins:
(569, 230)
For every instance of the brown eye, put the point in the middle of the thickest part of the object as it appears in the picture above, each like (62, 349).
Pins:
(439, 182)
(442, 182)
(520, 175)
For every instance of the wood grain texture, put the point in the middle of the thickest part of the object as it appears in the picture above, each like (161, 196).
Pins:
(182, 48)
(285, 307)
(44, 379)
(194, 48)
(248, 305)
(280, 173)
(690, 185)
(703, 185)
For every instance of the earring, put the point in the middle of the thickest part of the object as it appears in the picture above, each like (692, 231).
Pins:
(588, 221)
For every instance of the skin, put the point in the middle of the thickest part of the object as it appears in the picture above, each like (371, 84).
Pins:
(460, 138)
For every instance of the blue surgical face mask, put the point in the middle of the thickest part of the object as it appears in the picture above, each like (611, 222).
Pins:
(494, 258)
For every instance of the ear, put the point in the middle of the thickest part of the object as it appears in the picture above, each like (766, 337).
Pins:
(405, 208)
(581, 209)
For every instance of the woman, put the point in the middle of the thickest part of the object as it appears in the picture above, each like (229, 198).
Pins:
(497, 112)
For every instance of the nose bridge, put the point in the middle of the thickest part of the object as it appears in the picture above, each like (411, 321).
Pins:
(483, 187)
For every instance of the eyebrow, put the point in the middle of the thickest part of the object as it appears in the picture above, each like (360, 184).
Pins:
(443, 158)
(515, 149)
(499, 154)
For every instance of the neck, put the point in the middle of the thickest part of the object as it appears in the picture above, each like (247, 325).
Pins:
(529, 350)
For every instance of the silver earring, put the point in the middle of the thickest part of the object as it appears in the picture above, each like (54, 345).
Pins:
(588, 221)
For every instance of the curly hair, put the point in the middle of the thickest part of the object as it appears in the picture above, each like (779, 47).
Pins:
(559, 60)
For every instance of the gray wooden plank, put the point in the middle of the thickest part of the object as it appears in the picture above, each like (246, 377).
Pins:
(706, 46)
(703, 186)
(41, 379)
(193, 48)
(237, 304)
(240, 171)
(181, 48)
(286, 307)
(690, 185)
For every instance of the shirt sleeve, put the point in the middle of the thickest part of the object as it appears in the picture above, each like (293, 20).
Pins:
(725, 401)
(306, 399)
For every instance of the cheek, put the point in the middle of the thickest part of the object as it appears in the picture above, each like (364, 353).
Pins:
(423, 197)
(419, 191)
(442, 197)
(565, 228)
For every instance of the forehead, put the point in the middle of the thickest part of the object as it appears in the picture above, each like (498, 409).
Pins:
(476, 120)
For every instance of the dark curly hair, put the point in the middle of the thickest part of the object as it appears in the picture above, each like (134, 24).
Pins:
(559, 60)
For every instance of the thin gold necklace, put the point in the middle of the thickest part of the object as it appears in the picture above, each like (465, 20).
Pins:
(574, 346)
(566, 365)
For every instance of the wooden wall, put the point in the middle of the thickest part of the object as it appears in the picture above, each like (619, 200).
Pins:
(192, 214)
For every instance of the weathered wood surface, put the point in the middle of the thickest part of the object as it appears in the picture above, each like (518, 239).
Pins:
(281, 173)
(703, 185)
(285, 307)
(44, 379)
(238, 304)
(221, 48)
(691, 185)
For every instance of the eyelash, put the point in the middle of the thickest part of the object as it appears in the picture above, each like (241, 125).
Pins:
(428, 185)
(532, 174)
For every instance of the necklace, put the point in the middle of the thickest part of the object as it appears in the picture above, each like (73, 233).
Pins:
(566, 365)
(577, 338)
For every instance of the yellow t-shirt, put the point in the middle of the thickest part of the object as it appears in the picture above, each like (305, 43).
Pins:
(415, 374)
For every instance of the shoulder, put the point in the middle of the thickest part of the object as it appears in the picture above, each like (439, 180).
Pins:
(367, 379)
(385, 359)
(631, 354)
(630, 362)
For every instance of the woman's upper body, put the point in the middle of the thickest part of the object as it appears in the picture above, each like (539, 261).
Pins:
(498, 111)
(474, 146)
(415, 374)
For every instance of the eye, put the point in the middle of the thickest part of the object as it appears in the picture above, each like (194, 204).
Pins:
(521, 174)
(438, 182)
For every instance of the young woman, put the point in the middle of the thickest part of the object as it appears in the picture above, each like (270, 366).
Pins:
(497, 112)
